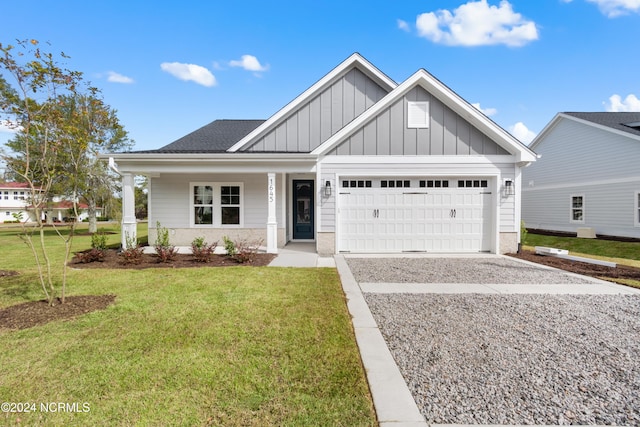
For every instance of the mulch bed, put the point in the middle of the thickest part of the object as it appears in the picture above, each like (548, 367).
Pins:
(34, 313)
(113, 260)
(585, 268)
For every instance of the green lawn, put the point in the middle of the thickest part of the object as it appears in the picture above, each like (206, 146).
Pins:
(627, 253)
(200, 346)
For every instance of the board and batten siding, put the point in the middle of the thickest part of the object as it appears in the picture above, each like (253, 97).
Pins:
(324, 115)
(333, 171)
(578, 159)
(388, 134)
(171, 203)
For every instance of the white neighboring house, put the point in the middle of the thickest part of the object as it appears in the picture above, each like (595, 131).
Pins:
(15, 199)
(356, 163)
(588, 175)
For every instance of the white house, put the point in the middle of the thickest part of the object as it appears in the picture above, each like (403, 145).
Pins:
(588, 175)
(15, 199)
(356, 163)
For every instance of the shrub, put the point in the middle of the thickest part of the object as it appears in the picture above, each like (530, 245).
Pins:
(133, 253)
(92, 255)
(165, 251)
(99, 240)
(202, 251)
(242, 251)
(229, 247)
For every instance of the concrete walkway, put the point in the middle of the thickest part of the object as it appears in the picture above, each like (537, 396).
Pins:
(301, 254)
(394, 404)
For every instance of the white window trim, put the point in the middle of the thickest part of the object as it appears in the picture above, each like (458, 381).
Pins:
(417, 114)
(217, 205)
(636, 209)
(571, 208)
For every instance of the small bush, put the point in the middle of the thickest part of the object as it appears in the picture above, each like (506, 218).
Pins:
(133, 252)
(246, 251)
(92, 255)
(165, 251)
(99, 240)
(229, 247)
(202, 252)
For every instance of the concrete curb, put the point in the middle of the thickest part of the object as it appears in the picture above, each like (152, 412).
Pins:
(392, 399)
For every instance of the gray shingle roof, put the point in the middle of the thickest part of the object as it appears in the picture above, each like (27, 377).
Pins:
(613, 120)
(216, 137)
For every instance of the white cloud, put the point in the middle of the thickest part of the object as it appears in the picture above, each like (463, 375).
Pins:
(613, 8)
(6, 126)
(486, 111)
(616, 104)
(190, 72)
(114, 77)
(249, 63)
(522, 133)
(403, 25)
(477, 23)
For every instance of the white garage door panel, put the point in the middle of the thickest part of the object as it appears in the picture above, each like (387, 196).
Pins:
(397, 220)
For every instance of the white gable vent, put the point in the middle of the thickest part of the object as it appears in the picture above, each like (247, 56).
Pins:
(418, 114)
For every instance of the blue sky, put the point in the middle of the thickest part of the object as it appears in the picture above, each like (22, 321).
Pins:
(169, 68)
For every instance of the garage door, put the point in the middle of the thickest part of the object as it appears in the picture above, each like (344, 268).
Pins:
(414, 215)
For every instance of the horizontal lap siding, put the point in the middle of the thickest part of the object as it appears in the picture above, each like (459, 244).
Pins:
(584, 160)
(170, 199)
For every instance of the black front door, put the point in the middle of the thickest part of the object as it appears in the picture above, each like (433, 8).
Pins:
(303, 209)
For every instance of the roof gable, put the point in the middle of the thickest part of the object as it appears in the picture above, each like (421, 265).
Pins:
(621, 123)
(449, 99)
(305, 100)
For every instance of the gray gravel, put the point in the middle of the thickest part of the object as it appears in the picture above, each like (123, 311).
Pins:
(508, 359)
(516, 359)
(455, 270)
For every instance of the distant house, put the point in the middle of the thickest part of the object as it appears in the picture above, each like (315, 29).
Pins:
(15, 200)
(588, 175)
(356, 163)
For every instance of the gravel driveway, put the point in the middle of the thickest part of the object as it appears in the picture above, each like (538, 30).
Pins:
(508, 359)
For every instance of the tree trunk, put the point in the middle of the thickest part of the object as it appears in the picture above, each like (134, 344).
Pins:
(93, 221)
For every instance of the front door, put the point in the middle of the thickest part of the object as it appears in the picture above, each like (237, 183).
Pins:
(303, 209)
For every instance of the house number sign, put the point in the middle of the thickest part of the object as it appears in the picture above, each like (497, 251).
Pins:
(271, 192)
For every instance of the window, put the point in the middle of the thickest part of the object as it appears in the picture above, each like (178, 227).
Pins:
(216, 204)
(359, 184)
(418, 114)
(473, 183)
(577, 208)
(435, 183)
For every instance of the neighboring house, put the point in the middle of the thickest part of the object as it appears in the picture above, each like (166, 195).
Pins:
(15, 199)
(356, 163)
(588, 176)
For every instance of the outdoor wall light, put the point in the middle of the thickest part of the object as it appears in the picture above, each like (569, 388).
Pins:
(327, 189)
(509, 188)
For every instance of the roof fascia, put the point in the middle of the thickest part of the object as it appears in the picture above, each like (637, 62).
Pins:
(600, 126)
(446, 96)
(355, 60)
(543, 133)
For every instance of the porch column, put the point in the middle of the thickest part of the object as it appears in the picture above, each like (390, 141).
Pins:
(272, 221)
(128, 210)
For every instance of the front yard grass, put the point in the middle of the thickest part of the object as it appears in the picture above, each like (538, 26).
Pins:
(198, 346)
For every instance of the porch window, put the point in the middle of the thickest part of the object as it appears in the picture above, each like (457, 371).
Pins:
(230, 204)
(577, 208)
(216, 204)
(203, 204)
